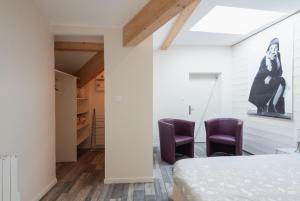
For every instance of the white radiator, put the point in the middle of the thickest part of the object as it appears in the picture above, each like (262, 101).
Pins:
(9, 178)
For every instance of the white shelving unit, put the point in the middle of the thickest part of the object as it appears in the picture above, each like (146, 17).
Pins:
(83, 119)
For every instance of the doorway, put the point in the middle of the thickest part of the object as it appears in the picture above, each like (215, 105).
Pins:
(203, 101)
(81, 60)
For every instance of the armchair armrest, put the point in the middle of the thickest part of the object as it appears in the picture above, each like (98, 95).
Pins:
(166, 133)
(239, 138)
(183, 127)
(167, 140)
(239, 130)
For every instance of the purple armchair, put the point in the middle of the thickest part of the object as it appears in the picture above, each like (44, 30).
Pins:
(224, 135)
(176, 136)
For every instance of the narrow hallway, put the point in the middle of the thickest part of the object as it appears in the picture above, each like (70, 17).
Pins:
(81, 180)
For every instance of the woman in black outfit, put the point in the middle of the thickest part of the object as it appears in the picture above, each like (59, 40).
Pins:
(268, 86)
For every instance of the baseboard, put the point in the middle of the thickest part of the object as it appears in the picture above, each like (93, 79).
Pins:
(128, 180)
(45, 190)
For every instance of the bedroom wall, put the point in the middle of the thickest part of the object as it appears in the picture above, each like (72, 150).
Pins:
(171, 74)
(128, 105)
(264, 134)
(27, 96)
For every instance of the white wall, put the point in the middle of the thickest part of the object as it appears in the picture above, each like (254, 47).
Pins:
(128, 105)
(27, 95)
(171, 74)
(264, 134)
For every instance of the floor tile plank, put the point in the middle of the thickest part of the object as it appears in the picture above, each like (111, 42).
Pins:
(83, 180)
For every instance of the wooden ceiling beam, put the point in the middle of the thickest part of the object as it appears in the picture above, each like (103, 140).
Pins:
(154, 14)
(179, 23)
(91, 69)
(78, 46)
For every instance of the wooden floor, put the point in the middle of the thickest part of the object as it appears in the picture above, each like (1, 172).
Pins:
(83, 181)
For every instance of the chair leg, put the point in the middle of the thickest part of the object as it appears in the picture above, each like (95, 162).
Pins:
(238, 150)
(187, 149)
(208, 149)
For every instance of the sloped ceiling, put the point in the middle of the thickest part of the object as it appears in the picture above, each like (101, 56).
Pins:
(116, 13)
(186, 37)
(70, 62)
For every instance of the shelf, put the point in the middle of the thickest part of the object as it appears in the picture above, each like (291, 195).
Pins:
(82, 138)
(78, 113)
(82, 99)
(82, 126)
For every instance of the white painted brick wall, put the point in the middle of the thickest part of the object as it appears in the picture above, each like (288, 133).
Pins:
(264, 134)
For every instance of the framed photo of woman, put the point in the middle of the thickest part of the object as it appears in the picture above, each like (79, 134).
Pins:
(271, 76)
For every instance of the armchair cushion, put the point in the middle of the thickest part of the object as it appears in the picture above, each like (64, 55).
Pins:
(181, 139)
(224, 139)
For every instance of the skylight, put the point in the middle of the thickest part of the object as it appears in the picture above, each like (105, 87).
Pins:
(233, 20)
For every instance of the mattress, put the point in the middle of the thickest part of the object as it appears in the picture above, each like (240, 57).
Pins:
(238, 178)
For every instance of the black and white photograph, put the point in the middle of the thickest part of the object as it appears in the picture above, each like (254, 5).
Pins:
(270, 92)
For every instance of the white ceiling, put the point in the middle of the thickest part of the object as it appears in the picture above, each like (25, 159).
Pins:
(186, 37)
(104, 13)
(116, 13)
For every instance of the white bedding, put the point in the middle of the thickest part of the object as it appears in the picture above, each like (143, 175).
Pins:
(239, 178)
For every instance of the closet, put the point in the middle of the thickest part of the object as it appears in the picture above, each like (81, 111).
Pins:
(79, 64)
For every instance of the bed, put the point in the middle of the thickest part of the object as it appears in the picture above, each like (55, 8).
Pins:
(238, 178)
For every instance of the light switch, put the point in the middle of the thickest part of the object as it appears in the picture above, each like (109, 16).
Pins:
(118, 99)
